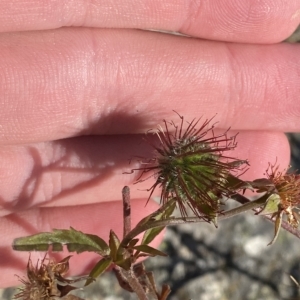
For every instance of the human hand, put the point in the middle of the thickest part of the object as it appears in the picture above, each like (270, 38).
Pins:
(76, 100)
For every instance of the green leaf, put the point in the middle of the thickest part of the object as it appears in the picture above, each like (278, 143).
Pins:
(163, 213)
(149, 250)
(235, 183)
(124, 263)
(76, 241)
(262, 185)
(114, 244)
(271, 206)
(151, 234)
(132, 243)
(167, 210)
(278, 222)
(101, 266)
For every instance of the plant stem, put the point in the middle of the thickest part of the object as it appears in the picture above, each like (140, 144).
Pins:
(133, 282)
(246, 206)
(126, 210)
(285, 225)
(176, 221)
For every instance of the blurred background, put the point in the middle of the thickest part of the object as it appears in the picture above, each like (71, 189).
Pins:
(232, 262)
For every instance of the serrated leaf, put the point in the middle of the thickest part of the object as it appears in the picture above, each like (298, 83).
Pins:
(102, 265)
(114, 244)
(149, 250)
(76, 241)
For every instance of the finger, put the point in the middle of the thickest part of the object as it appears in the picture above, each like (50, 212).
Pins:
(96, 219)
(104, 81)
(230, 20)
(91, 169)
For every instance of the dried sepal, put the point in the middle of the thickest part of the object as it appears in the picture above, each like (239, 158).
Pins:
(284, 191)
(45, 280)
(287, 186)
(191, 167)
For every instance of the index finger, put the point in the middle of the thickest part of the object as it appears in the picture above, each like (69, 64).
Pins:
(227, 20)
(71, 82)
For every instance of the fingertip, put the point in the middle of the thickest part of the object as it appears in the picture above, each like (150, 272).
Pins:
(261, 149)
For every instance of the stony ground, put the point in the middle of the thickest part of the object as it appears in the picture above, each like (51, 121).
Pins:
(229, 263)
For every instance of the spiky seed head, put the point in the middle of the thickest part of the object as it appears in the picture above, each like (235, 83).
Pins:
(190, 167)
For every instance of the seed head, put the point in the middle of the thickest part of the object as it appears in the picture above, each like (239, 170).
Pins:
(287, 186)
(190, 167)
(43, 280)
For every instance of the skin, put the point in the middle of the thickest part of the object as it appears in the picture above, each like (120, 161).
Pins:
(77, 97)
